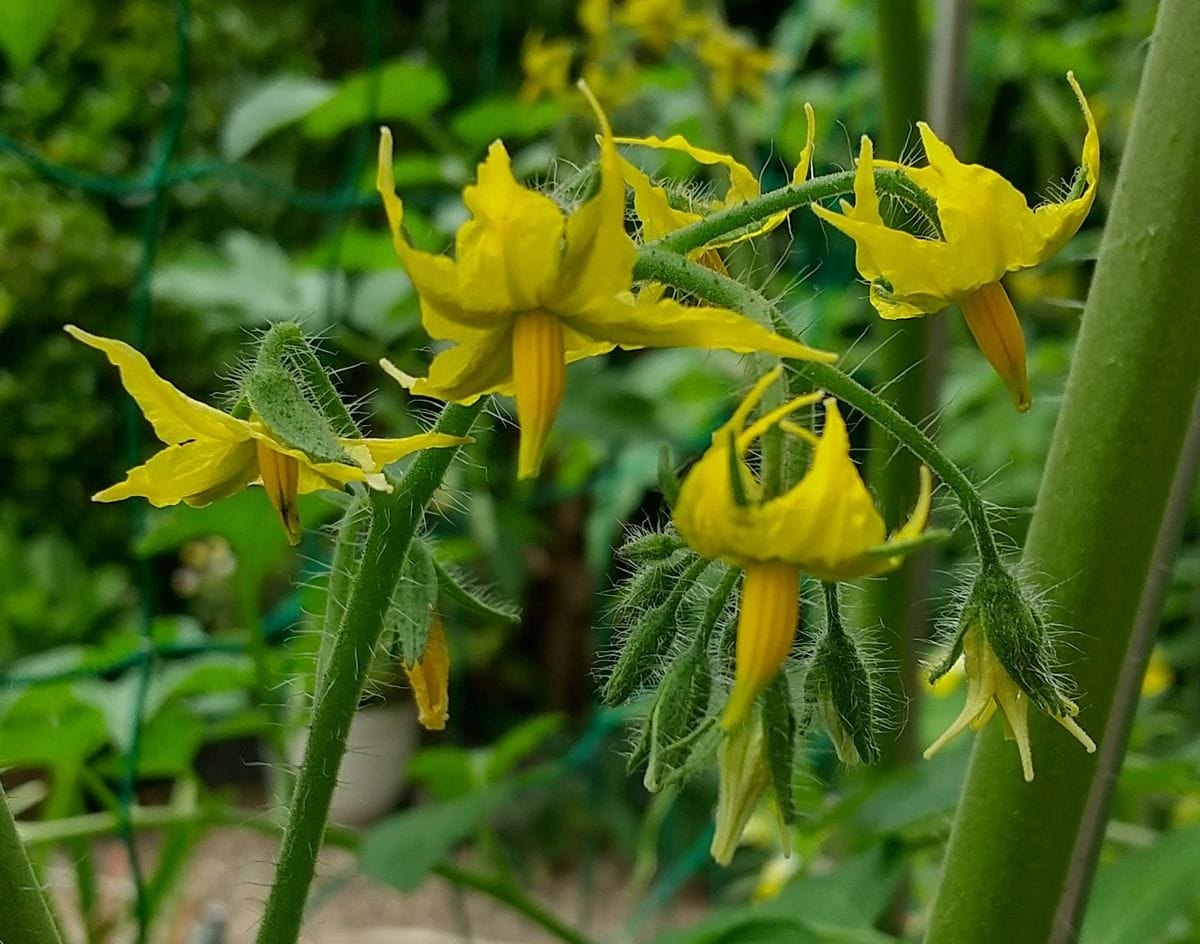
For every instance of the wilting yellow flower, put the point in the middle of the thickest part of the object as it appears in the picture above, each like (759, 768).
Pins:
(826, 525)
(211, 455)
(531, 289)
(989, 686)
(659, 216)
(547, 66)
(735, 63)
(430, 679)
(988, 229)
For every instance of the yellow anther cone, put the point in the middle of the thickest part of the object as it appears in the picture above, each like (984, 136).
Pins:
(997, 330)
(767, 616)
(281, 481)
(430, 680)
(539, 375)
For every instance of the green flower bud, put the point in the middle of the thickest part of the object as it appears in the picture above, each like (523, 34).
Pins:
(680, 707)
(1009, 663)
(843, 689)
(742, 778)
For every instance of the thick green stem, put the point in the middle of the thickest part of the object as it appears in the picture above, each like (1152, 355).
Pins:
(661, 266)
(1021, 856)
(394, 520)
(24, 914)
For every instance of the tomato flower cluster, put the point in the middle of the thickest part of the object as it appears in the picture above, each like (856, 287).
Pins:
(533, 286)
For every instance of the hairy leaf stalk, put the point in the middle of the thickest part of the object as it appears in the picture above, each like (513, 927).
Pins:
(24, 914)
(1021, 856)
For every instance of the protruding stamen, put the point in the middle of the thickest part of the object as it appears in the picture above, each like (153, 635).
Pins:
(766, 627)
(281, 478)
(539, 374)
(997, 331)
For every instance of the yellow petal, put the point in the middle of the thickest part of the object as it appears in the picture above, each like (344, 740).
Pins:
(666, 323)
(1058, 222)
(539, 375)
(197, 472)
(653, 208)
(176, 417)
(507, 255)
(385, 451)
(479, 363)
(743, 183)
(280, 478)
(430, 679)
(767, 616)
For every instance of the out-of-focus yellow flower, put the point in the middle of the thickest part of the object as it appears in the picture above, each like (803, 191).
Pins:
(659, 216)
(774, 875)
(211, 455)
(825, 525)
(735, 63)
(593, 17)
(531, 289)
(989, 686)
(547, 66)
(988, 229)
(1159, 676)
(659, 23)
(430, 679)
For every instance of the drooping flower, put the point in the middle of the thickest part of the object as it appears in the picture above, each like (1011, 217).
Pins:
(826, 525)
(531, 289)
(989, 686)
(988, 229)
(659, 216)
(430, 679)
(210, 455)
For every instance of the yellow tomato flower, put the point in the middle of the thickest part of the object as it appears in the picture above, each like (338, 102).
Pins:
(735, 63)
(826, 525)
(989, 229)
(658, 216)
(211, 455)
(430, 679)
(659, 23)
(989, 686)
(531, 289)
(547, 66)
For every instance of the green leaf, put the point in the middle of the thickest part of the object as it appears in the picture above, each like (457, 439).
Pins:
(1135, 898)
(414, 599)
(503, 117)
(271, 106)
(519, 743)
(78, 728)
(401, 851)
(445, 771)
(407, 92)
(25, 25)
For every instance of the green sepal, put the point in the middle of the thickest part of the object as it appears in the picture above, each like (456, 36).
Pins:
(411, 609)
(648, 639)
(844, 689)
(696, 751)
(454, 588)
(655, 546)
(668, 481)
(896, 548)
(780, 731)
(680, 705)
(276, 399)
(652, 582)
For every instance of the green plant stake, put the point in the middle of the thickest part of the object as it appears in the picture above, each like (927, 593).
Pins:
(1021, 855)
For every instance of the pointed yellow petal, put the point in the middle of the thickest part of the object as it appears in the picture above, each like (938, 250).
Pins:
(767, 618)
(743, 183)
(539, 376)
(385, 451)
(666, 323)
(197, 472)
(176, 417)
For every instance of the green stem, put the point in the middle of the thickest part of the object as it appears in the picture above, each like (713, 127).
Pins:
(717, 225)
(511, 895)
(24, 914)
(661, 266)
(1102, 518)
(394, 520)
